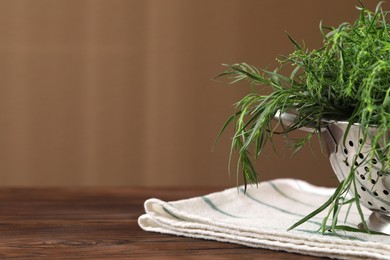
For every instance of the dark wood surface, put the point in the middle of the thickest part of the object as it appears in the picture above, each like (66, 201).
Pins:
(101, 223)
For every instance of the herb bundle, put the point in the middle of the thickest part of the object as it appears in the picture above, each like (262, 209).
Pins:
(348, 79)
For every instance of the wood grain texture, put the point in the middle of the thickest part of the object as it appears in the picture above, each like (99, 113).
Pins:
(101, 223)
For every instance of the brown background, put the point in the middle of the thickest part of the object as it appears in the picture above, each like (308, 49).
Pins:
(119, 92)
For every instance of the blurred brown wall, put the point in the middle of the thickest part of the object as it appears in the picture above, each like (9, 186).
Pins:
(119, 92)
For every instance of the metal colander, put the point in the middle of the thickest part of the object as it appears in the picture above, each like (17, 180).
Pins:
(373, 185)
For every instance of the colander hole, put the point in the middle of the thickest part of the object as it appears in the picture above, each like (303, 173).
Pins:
(350, 143)
(373, 181)
(362, 177)
(346, 162)
(345, 151)
(379, 173)
(383, 208)
(363, 189)
(366, 169)
(375, 193)
(369, 203)
(361, 156)
(374, 161)
(356, 163)
(385, 192)
(359, 196)
(360, 141)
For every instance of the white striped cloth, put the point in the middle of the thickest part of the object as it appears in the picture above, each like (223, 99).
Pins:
(260, 218)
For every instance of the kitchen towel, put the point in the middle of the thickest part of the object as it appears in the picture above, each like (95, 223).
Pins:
(260, 218)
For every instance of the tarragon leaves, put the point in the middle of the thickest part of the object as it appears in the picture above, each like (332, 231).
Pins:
(347, 79)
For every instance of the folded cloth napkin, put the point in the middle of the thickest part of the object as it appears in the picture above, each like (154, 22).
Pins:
(260, 218)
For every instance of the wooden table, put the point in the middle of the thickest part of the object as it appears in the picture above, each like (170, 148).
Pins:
(101, 223)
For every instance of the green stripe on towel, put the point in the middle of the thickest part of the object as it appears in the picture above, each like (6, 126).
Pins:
(214, 207)
(288, 197)
(172, 214)
(298, 201)
(277, 208)
(288, 212)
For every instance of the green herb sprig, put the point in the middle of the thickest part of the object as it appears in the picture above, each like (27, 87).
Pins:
(348, 79)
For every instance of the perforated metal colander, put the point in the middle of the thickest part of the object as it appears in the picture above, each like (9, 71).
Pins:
(373, 185)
